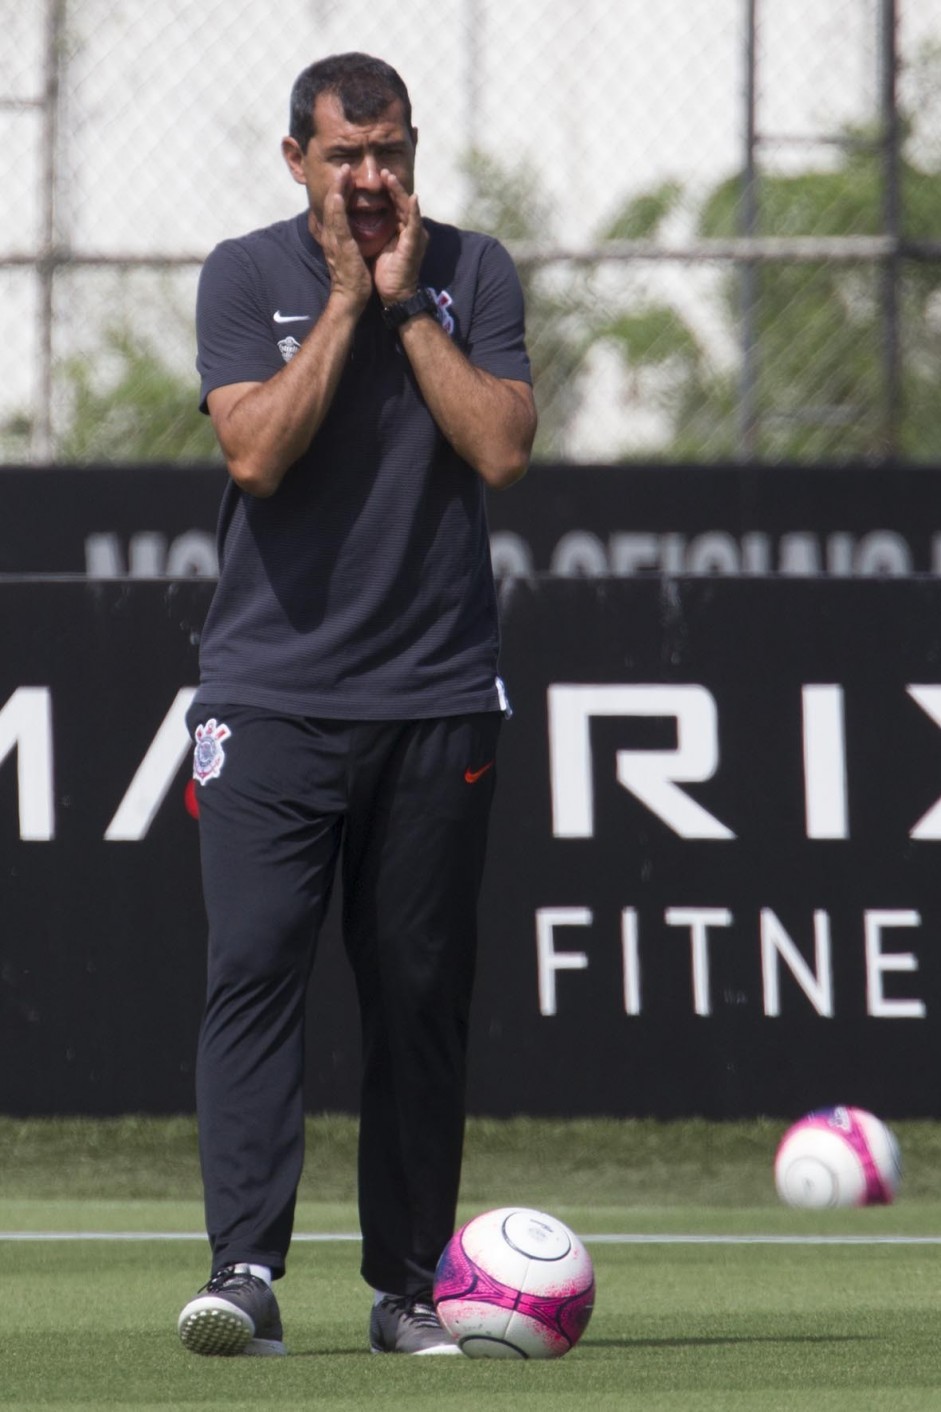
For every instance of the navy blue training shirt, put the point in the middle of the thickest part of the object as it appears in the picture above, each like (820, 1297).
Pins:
(362, 589)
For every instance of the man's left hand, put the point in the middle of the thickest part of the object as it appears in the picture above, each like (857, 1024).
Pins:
(396, 268)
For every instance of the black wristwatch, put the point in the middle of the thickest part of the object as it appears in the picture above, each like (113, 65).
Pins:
(395, 315)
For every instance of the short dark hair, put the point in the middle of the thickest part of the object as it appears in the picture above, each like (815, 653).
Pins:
(365, 87)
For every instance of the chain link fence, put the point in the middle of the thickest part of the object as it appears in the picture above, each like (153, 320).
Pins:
(727, 215)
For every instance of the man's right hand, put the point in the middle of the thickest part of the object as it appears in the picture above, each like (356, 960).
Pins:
(349, 274)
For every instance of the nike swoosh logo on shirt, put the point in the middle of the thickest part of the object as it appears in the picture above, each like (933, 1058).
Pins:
(472, 776)
(280, 318)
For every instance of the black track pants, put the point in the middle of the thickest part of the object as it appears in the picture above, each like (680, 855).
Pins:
(409, 803)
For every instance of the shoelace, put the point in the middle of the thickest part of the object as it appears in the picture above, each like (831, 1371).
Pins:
(419, 1311)
(423, 1314)
(228, 1278)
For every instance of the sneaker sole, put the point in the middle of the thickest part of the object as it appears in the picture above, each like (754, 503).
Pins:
(215, 1328)
(264, 1348)
(436, 1350)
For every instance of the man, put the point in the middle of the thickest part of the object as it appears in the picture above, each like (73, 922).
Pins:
(366, 375)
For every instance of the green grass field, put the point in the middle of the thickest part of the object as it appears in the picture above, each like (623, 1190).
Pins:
(685, 1318)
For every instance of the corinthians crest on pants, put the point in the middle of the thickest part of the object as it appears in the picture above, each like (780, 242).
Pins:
(209, 756)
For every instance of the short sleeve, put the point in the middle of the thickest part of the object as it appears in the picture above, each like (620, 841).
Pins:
(233, 335)
(496, 339)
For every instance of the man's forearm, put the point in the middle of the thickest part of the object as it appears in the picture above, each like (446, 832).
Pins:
(264, 431)
(490, 422)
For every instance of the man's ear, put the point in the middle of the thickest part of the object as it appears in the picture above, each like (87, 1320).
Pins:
(294, 157)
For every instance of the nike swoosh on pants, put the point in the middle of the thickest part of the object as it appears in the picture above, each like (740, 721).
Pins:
(472, 776)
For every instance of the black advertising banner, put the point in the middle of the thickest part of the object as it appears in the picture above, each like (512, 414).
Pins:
(110, 522)
(622, 521)
(568, 521)
(102, 946)
(713, 876)
(719, 837)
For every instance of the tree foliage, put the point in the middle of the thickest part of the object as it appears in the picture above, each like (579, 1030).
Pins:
(509, 203)
(143, 412)
(818, 356)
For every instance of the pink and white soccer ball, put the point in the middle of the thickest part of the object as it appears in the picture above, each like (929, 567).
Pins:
(515, 1283)
(838, 1157)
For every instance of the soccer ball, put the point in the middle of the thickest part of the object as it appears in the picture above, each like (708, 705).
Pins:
(837, 1157)
(514, 1283)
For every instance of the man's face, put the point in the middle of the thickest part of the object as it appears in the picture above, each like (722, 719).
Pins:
(366, 148)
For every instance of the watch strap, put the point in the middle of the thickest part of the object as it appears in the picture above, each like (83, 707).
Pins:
(395, 315)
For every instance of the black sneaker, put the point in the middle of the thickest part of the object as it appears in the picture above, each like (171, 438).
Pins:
(235, 1312)
(399, 1324)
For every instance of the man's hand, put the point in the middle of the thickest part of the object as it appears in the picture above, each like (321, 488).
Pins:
(396, 268)
(349, 275)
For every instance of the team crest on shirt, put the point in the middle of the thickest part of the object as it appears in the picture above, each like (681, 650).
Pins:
(444, 302)
(209, 756)
(288, 347)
